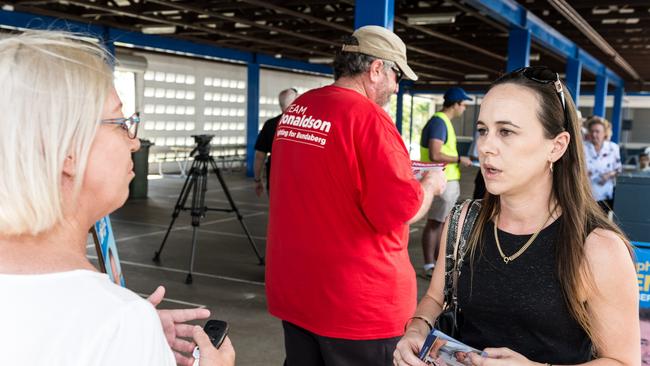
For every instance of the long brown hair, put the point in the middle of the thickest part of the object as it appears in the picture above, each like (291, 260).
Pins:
(572, 192)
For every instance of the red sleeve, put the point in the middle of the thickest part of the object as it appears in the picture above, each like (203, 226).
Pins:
(390, 195)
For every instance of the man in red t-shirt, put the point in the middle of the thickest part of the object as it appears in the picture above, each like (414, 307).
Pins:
(342, 196)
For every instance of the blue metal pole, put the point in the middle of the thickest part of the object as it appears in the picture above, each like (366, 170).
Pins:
(573, 75)
(374, 12)
(518, 49)
(600, 95)
(107, 41)
(411, 123)
(399, 109)
(617, 114)
(252, 114)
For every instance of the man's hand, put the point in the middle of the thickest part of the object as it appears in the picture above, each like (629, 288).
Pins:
(173, 324)
(434, 181)
(259, 188)
(465, 161)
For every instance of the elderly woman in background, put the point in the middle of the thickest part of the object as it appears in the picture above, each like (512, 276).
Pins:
(603, 162)
(65, 158)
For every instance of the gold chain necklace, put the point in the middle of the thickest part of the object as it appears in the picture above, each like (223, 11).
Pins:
(508, 259)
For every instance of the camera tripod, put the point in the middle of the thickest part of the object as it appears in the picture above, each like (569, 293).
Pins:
(196, 185)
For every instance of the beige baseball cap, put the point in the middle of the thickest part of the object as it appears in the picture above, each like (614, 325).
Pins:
(381, 43)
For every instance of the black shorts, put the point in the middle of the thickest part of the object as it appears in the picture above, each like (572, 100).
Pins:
(306, 348)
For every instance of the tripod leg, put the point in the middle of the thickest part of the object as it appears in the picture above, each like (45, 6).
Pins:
(198, 211)
(188, 279)
(236, 210)
(180, 204)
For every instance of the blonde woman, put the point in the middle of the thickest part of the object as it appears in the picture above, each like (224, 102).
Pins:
(65, 158)
(547, 279)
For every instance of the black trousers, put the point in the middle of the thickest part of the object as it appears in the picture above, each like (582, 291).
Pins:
(305, 348)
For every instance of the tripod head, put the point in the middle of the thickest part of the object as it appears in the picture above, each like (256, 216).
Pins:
(202, 145)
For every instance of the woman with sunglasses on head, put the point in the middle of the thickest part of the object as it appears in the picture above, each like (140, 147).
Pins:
(65, 158)
(603, 162)
(546, 278)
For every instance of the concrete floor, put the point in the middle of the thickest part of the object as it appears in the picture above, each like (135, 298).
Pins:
(228, 279)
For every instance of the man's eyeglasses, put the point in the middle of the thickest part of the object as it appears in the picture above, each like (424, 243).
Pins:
(544, 75)
(129, 124)
(398, 74)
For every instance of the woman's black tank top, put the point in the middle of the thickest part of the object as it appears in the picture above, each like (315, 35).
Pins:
(519, 305)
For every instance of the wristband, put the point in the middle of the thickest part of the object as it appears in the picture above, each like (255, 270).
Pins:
(428, 323)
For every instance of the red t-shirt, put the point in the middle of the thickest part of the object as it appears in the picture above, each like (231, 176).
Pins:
(341, 194)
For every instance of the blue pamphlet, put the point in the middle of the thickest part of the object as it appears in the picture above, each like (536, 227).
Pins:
(107, 255)
(452, 351)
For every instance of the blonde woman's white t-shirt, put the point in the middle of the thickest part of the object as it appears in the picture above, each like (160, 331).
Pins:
(77, 318)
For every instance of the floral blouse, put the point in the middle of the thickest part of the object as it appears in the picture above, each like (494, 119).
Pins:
(606, 160)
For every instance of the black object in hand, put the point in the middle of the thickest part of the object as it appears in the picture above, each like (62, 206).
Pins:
(217, 331)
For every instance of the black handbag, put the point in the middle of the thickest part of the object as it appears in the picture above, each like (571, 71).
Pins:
(449, 318)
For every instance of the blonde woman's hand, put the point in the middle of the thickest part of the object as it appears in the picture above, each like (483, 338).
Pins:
(408, 348)
(176, 328)
(211, 356)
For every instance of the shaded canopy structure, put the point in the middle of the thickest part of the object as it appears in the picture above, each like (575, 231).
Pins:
(449, 41)
(597, 46)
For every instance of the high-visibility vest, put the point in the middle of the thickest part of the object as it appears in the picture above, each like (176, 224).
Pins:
(452, 170)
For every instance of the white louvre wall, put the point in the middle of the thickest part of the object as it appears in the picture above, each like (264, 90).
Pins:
(272, 82)
(184, 97)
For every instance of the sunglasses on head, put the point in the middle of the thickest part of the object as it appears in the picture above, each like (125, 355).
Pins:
(544, 75)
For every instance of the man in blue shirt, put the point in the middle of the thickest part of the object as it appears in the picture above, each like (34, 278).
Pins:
(438, 144)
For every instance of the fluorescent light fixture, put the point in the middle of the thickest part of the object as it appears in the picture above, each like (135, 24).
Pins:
(602, 11)
(321, 60)
(159, 29)
(8, 7)
(476, 76)
(433, 18)
(534, 57)
(620, 21)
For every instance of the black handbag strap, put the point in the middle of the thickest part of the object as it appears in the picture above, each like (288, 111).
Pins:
(457, 247)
